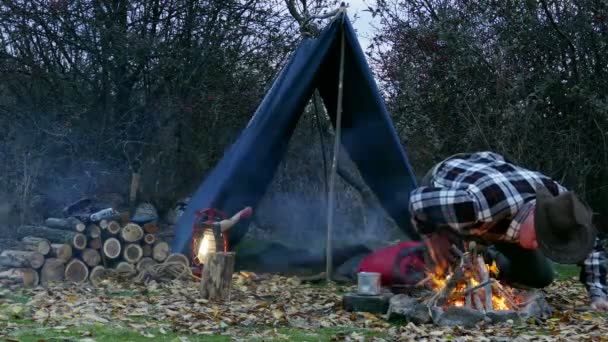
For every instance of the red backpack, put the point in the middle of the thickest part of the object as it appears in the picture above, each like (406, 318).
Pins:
(401, 264)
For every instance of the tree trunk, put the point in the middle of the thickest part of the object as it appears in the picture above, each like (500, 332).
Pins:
(160, 252)
(93, 231)
(24, 259)
(62, 252)
(131, 233)
(53, 235)
(216, 280)
(80, 241)
(145, 263)
(76, 271)
(132, 253)
(70, 224)
(27, 276)
(96, 275)
(91, 257)
(112, 248)
(52, 271)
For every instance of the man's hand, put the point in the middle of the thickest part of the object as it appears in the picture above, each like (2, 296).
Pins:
(599, 304)
(439, 246)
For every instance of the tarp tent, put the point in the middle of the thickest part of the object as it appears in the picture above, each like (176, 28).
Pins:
(368, 135)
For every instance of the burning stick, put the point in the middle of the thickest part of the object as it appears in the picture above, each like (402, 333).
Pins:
(505, 295)
(478, 286)
(485, 279)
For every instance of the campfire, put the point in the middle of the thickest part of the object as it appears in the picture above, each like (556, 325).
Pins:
(471, 284)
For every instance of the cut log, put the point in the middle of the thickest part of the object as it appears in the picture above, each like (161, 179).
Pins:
(96, 275)
(40, 245)
(131, 233)
(29, 243)
(146, 250)
(132, 253)
(95, 243)
(79, 241)
(61, 251)
(178, 257)
(93, 231)
(23, 258)
(53, 235)
(216, 280)
(145, 263)
(26, 276)
(52, 271)
(160, 252)
(113, 227)
(103, 224)
(70, 223)
(91, 257)
(76, 271)
(150, 228)
(125, 267)
(112, 248)
(149, 239)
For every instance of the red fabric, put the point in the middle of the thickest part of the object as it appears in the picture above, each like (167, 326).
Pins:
(383, 260)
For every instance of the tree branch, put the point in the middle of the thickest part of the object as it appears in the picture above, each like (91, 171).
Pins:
(563, 35)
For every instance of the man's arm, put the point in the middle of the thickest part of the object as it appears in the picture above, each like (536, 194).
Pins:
(593, 272)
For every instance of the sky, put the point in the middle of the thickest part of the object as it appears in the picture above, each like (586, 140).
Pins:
(362, 21)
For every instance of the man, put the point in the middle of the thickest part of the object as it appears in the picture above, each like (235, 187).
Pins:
(525, 217)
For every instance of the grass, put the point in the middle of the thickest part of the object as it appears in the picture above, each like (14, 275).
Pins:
(566, 272)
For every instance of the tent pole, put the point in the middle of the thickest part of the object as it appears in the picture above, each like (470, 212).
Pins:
(334, 166)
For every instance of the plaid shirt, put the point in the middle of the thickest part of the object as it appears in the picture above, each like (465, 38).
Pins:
(484, 195)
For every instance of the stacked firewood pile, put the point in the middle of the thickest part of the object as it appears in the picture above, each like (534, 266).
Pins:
(67, 249)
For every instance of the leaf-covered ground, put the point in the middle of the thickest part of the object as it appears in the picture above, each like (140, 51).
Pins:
(262, 308)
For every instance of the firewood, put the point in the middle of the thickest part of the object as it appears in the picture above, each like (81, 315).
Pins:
(113, 227)
(70, 223)
(112, 248)
(131, 233)
(27, 276)
(93, 231)
(76, 271)
(96, 275)
(52, 271)
(216, 279)
(132, 253)
(160, 252)
(145, 263)
(91, 257)
(79, 241)
(61, 251)
(149, 239)
(125, 267)
(146, 250)
(40, 245)
(150, 228)
(103, 224)
(23, 258)
(53, 235)
(29, 243)
(95, 243)
(484, 278)
(177, 257)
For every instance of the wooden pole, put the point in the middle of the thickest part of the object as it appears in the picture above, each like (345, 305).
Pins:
(216, 280)
(334, 167)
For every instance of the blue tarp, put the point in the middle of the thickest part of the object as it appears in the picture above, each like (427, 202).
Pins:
(245, 172)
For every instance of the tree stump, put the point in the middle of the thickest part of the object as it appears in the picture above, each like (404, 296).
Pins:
(52, 271)
(216, 281)
(76, 271)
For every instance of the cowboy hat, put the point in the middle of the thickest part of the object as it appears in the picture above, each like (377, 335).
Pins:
(564, 228)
